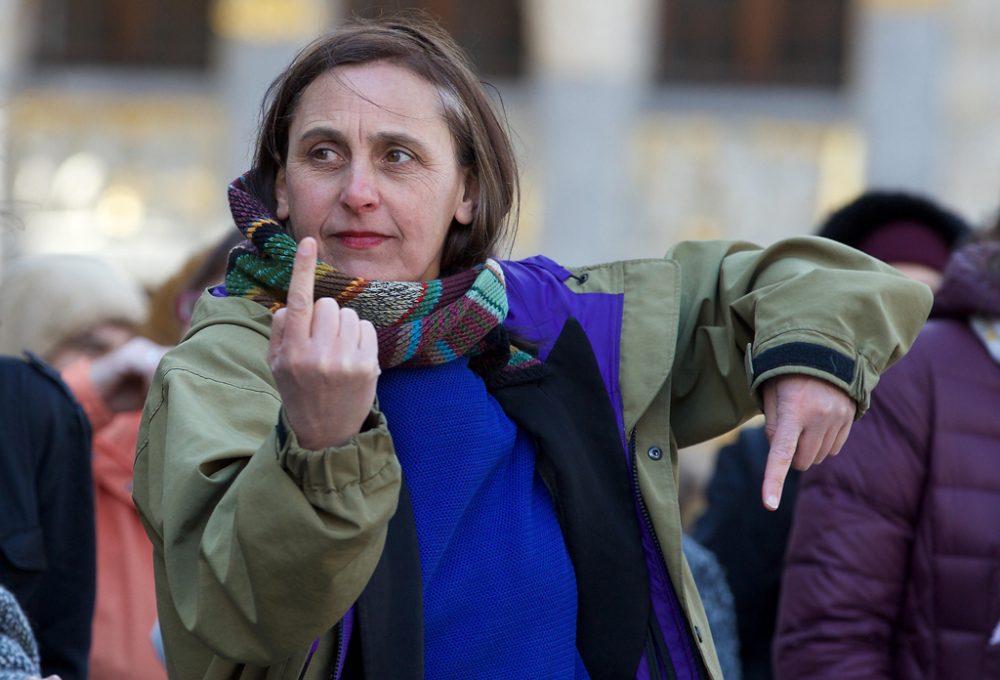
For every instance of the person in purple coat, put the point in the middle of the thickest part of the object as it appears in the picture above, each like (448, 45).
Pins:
(893, 568)
(916, 235)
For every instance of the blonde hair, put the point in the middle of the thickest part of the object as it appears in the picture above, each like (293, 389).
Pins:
(48, 299)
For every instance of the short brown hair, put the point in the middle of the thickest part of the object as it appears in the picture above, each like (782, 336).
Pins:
(416, 43)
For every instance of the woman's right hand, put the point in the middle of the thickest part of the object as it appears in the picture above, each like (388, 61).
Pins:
(324, 360)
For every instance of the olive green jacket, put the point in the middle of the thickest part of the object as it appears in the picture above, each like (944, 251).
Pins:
(261, 547)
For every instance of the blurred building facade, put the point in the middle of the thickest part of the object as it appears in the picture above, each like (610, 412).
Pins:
(638, 122)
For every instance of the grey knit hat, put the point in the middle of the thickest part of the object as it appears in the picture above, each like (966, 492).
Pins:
(18, 651)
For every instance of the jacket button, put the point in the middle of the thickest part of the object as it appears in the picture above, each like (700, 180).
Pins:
(697, 631)
(655, 452)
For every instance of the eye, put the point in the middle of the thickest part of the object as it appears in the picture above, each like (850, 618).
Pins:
(324, 153)
(397, 156)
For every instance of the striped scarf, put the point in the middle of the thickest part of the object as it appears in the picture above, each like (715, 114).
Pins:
(418, 323)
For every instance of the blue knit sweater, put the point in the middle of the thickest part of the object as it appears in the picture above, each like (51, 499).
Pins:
(499, 588)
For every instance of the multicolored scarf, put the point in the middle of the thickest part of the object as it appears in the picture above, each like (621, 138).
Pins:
(418, 323)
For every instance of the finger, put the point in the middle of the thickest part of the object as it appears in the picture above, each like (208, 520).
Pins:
(770, 395)
(826, 446)
(841, 439)
(277, 333)
(300, 291)
(779, 459)
(350, 328)
(368, 342)
(809, 447)
(326, 321)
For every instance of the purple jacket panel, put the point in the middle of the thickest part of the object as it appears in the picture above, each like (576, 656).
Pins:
(540, 303)
(893, 568)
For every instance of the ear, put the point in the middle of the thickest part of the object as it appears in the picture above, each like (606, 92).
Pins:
(281, 195)
(466, 209)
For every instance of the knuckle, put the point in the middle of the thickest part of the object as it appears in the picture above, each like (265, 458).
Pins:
(801, 465)
(329, 364)
(297, 301)
(783, 455)
(293, 365)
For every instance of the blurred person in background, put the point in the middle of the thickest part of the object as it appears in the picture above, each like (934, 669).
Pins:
(171, 304)
(718, 600)
(493, 514)
(914, 234)
(47, 550)
(80, 314)
(893, 566)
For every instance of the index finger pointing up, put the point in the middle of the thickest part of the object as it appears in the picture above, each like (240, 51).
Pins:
(298, 318)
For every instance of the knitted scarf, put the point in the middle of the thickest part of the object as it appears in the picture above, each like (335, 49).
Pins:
(418, 323)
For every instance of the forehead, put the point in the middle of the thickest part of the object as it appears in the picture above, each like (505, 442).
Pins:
(380, 91)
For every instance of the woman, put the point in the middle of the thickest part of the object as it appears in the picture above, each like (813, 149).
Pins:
(912, 590)
(520, 520)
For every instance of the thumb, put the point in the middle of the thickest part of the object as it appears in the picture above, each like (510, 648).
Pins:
(779, 460)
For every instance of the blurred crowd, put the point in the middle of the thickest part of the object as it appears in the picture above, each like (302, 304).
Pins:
(81, 341)
(883, 562)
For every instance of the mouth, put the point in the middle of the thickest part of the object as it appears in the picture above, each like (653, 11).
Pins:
(360, 240)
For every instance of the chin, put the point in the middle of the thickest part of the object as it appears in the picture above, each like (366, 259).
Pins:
(365, 270)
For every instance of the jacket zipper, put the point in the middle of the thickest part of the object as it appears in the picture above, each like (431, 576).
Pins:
(312, 651)
(338, 641)
(664, 658)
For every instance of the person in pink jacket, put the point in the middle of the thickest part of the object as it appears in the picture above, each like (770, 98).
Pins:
(79, 314)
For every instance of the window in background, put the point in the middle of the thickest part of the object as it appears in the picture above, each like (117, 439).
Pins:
(489, 30)
(165, 34)
(754, 42)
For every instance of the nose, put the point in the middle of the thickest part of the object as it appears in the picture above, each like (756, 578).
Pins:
(360, 193)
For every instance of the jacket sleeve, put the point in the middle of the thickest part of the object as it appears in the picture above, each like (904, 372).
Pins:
(848, 555)
(57, 582)
(804, 305)
(264, 545)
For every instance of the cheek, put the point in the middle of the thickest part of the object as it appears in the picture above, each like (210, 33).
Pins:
(303, 214)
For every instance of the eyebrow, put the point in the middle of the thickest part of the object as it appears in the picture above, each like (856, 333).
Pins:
(381, 138)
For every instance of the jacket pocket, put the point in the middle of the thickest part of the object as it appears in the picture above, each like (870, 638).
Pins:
(24, 550)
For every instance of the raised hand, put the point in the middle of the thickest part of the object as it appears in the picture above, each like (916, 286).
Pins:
(807, 419)
(122, 376)
(324, 360)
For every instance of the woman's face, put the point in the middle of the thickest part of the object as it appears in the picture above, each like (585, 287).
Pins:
(372, 173)
(91, 343)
